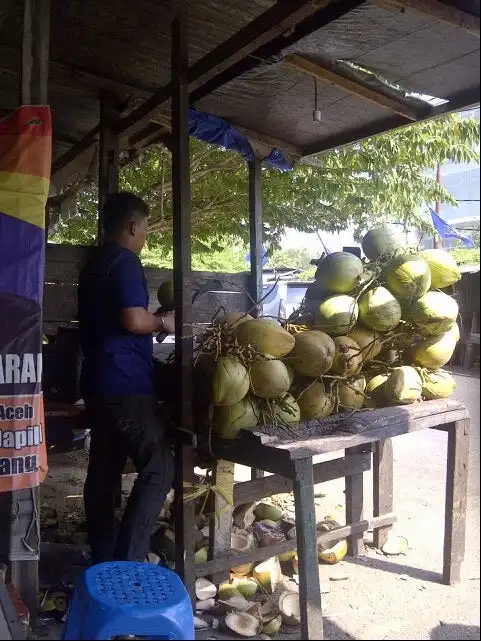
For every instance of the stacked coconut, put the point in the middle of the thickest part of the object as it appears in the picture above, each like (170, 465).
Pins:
(370, 333)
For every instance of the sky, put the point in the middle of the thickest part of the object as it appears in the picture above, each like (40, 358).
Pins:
(334, 242)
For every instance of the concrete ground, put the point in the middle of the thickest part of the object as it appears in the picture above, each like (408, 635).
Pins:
(380, 597)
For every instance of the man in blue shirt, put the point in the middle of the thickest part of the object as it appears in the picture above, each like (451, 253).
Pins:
(117, 386)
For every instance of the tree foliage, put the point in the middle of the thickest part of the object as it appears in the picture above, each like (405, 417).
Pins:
(382, 178)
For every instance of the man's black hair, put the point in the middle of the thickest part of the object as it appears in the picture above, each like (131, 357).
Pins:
(121, 209)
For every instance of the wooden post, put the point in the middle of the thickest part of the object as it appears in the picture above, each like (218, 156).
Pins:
(220, 526)
(309, 587)
(456, 500)
(35, 52)
(354, 487)
(255, 221)
(108, 156)
(382, 487)
(184, 527)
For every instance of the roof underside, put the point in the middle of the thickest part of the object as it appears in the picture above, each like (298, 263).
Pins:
(124, 48)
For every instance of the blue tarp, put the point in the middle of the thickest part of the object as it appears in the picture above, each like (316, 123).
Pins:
(219, 132)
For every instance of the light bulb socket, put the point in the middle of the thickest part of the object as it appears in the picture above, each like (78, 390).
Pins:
(317, 115)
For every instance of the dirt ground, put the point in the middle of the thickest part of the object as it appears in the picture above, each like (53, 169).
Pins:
(374, 596)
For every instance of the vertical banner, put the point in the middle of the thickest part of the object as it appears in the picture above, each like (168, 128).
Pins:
(25, 161)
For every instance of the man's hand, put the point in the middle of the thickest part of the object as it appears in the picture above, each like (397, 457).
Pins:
(168, 321)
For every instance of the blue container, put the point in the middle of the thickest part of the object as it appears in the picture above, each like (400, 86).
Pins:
(126, 598)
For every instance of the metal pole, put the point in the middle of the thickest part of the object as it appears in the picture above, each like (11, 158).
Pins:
(184, 470)
(255, 220)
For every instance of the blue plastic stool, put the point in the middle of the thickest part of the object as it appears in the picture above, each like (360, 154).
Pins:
(127, 598)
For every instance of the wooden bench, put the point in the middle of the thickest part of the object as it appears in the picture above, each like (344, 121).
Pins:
(291, 462)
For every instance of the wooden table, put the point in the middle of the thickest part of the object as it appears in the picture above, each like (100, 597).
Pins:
(358, 434)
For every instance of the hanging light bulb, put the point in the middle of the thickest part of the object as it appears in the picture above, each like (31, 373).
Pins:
(316, 114)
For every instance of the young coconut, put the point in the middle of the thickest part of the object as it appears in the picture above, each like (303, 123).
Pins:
(231, 321)
(337, 315)
(374, 391)
(266, 511)
(315, 402)
(205, 605)
(242, 542)
(272, 625)
(339, 273)
(269, 377)
(379, 310)
(266, 336)
(243, 516)
(230, 420)
(435, 351)
(243, 624)
(268, 574)
(313, 353)
(438, 384)
(290, 608)
(234, 604)
(434, 313)
(204, 589)
(333, 554)
(347, 358)
(230, 381)
(227, 591)
(380, 243)
(351, 393)
(201, 555)
(444, 269)
(408, 276)
(404, 386)
(369, 341)
(287, 410)
(247, 587)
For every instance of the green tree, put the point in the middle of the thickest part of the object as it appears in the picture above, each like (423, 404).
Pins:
(382, 178)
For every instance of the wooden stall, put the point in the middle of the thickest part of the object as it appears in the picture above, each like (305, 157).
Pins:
(112, 90)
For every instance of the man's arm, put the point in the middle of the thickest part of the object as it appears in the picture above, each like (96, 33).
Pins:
(127, 281)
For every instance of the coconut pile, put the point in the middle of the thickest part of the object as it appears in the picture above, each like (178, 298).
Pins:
(257, 597)
(370, 333)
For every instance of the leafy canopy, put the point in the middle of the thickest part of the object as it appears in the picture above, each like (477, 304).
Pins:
(382, 178)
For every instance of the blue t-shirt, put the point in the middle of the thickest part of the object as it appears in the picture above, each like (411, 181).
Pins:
(117, 362)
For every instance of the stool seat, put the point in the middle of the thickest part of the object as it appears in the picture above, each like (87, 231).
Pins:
(127, 598)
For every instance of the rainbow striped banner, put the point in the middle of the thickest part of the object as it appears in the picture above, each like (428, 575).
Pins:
(25, 162)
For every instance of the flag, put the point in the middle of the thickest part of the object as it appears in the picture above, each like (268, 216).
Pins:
(265, 257)
(445, 230)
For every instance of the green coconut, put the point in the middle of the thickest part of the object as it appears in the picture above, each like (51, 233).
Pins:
(435, 351)
(245, 586)
(369, 341)
(380, 243)
(288, 411)
(165, 294)
(313, 353)
(337, 315)
(379, 310)
(269, 377)
(351, 393)
(315, 402)
(291, 372)
(339, 273)
(404, 386)
(347, 358)
(434, 313)
(272, 626)
(408, 276)
(265, 511)
(230, 381)
(444, 269)
(266, 336)
(374, 391)
(229, 420)
(232, 321)
(201, 555)
(439, 384)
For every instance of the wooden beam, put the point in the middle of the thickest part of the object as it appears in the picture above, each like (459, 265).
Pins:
(255, 228)
(305, 65)
(282, 16)
(184, 510)
(108, 181)
(457, 102)
(442, 11)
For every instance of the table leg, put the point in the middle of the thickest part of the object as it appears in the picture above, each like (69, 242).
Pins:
(309, 587)
(354, 488)
(456, 501)
(382, 487)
